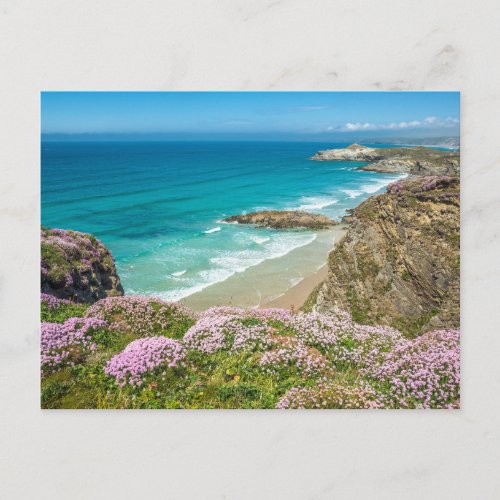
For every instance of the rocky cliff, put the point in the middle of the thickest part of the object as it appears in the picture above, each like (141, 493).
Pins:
(414, 160)
(77, 266)
(399, 263)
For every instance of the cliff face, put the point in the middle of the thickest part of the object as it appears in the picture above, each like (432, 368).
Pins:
(399, 263)
(416, 160)
(77, 266)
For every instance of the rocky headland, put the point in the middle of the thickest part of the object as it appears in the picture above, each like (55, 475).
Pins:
(283, 219)
(77, 266)
(399, 263)
(415, 160)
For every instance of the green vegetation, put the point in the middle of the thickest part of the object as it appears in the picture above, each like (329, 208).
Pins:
(62, 312)
(412, 325)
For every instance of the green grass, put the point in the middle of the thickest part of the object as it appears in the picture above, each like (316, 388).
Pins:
(220, 380)
(61, 313)
(412, 326)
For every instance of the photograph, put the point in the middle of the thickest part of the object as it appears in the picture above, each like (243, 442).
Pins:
(250, 250)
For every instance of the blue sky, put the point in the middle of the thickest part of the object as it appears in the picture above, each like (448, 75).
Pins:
(251, 115)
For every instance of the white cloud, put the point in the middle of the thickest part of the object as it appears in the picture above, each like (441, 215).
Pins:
(360, 126)
(426, 122)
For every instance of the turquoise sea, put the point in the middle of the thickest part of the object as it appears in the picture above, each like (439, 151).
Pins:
(159, 205)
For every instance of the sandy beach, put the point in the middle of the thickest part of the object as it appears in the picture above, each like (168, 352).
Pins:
(295, 297)
(280, 282)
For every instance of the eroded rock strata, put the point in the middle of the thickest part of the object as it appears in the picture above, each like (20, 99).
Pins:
(283, 219)
(77, 266)
(399, 263)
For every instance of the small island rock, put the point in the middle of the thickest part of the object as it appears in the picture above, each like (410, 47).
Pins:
(284, 219)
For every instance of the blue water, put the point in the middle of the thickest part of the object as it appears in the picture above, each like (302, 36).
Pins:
(158, 206)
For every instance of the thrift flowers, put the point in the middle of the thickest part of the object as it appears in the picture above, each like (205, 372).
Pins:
(67, 343)
(233, 357)
(144, 316)
(143, 356)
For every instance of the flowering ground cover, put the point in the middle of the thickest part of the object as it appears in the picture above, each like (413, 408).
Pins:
(138, 352)
(54, 310)
(76, 266)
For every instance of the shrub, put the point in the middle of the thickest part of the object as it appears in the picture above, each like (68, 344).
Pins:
(294, 353)
(144, 356)
(235, 329)
(421, 373)
(143, 316)
(331, 395)
(68, 343)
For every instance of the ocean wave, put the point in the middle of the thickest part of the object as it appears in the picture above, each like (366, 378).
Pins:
(230, 263)
(213, 230)
(295, 281)
(259, 240)
(179, 273)
(372, 187)
(315, 202)
(352, 193)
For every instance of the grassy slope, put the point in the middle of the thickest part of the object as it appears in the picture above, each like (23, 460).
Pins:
(219, 380)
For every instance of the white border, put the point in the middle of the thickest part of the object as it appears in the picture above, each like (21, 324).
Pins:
(242, 45)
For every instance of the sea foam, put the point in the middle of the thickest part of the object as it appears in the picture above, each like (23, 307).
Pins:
(316, 202)
(213, 230)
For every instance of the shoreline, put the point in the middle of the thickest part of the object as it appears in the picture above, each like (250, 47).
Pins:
(281, 282)
(296, 296)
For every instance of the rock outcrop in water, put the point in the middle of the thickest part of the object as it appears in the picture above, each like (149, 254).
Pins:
(415, 160)
(77, 266)
(399, 263)
(284, 219)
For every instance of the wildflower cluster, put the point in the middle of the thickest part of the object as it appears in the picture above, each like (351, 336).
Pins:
(395, 187)
(232, 328)
(74, 245)
(51, 302)
(366, 345)
(290, 352)
(321, 329)
(143, 356)
(64, 344)
(265, 356)
(67, 255)
(143, 316)
(421, 184)
(430, 182)
(421, 373)
(331, 395)
(334, 333)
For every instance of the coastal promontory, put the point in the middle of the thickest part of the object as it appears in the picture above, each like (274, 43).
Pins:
(399, 263)
(415, 160)
(77, 266)
(283, 219)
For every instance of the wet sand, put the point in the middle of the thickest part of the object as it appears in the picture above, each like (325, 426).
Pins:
(295, 297)
(280, 282)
